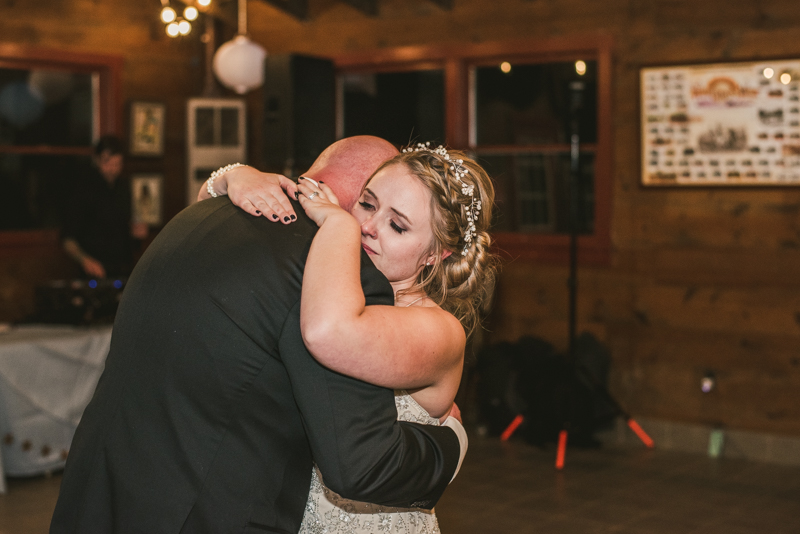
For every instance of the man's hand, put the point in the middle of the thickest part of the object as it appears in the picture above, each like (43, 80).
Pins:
(454, 412)
(139, 230)
(92, 267)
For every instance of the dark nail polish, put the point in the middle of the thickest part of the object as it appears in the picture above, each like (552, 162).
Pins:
(274, 216)
(301, 178)
(293, 217)
(321, 182)
(296, 195)
(258, 212)
(286, 219)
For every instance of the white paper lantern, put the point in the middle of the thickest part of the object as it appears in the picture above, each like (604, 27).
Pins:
(239, 64)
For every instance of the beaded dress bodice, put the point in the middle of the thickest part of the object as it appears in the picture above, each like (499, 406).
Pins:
(329, 513)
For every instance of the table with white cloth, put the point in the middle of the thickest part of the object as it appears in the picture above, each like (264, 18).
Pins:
(48, 374)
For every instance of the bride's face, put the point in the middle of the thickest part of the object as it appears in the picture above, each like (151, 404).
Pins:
(395, 216)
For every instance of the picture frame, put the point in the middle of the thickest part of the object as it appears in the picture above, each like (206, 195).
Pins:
(147, 128)
(146, 198)
(721, 124)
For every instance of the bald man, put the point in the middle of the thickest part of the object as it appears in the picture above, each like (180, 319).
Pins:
(210, 409)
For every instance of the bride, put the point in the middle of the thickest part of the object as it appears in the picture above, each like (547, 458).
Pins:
(423, 220)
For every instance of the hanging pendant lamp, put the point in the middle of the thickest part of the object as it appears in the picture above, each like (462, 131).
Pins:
(239, 63)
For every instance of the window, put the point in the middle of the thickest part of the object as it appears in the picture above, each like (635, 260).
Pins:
(52, 107)
(401, 107)
(513, 107)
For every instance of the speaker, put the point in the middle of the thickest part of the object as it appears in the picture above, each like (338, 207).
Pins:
(299, 112)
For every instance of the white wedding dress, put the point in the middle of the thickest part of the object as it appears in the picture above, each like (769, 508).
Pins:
(329, 513)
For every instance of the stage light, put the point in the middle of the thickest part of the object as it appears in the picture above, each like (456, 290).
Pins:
(172, 29)
(505, 66)
(786, 78)
(184, 27)
(168, 15)
(768, 73)
(190, 13)
(580, 67)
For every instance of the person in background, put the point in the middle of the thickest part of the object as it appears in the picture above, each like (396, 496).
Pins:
(98, 232)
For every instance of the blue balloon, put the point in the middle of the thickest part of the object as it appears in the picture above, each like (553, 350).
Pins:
(19, 105)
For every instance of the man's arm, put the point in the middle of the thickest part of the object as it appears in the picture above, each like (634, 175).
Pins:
(363, 452)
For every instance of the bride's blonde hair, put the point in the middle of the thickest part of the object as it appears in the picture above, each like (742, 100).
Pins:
(462, 283)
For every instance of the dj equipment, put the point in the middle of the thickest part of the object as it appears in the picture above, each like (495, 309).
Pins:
(78, 302)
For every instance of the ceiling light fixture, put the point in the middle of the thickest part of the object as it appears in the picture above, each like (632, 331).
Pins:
(239, 63)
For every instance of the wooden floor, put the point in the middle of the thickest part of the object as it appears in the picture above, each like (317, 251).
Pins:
(513, 488)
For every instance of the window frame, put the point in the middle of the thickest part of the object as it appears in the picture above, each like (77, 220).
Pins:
(108, 114)
(458, 62)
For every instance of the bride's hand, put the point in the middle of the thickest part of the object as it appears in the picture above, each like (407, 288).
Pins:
(319, 201)
(257, 193)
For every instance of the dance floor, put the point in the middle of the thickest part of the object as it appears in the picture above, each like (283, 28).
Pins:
(513, 488)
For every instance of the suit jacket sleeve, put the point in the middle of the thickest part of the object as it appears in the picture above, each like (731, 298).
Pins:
(363, 452)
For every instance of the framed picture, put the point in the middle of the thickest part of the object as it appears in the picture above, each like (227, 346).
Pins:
(146, 195)
(723, 124)
(147, 128)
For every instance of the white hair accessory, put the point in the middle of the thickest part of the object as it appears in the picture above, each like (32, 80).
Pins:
(460, 172)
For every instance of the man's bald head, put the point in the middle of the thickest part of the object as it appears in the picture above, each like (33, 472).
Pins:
(347, 164)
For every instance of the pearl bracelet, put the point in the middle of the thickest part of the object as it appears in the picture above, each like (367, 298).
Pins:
(219, 172)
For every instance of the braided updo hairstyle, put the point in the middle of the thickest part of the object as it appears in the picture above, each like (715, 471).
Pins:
(462, 283)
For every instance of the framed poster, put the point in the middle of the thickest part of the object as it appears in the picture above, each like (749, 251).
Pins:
(721, 124)
(146, 194)
(147, 128)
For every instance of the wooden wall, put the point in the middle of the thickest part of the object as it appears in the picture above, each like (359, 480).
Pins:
(698, 279)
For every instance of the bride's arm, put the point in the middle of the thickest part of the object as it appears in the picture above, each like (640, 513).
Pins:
(400, 348)
(257, 193)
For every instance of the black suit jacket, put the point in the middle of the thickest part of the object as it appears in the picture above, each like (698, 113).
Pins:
(210, 408)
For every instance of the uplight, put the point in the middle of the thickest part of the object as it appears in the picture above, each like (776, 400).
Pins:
(786, 78)
(580, 67)
(505, 66)
(768, 73)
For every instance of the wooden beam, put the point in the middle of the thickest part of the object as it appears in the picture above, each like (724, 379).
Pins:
(369, 7)
(296, 8)
(444, 4)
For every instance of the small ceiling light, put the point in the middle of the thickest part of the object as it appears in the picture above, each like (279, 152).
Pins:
(168, 15)
(172, 29)
(768, 73)
(190, 13)
(786, 78)
(204, 3)
(184, 27)
(580, 67)
(505, 66)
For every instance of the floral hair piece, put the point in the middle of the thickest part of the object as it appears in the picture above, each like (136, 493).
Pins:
(457, 166)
